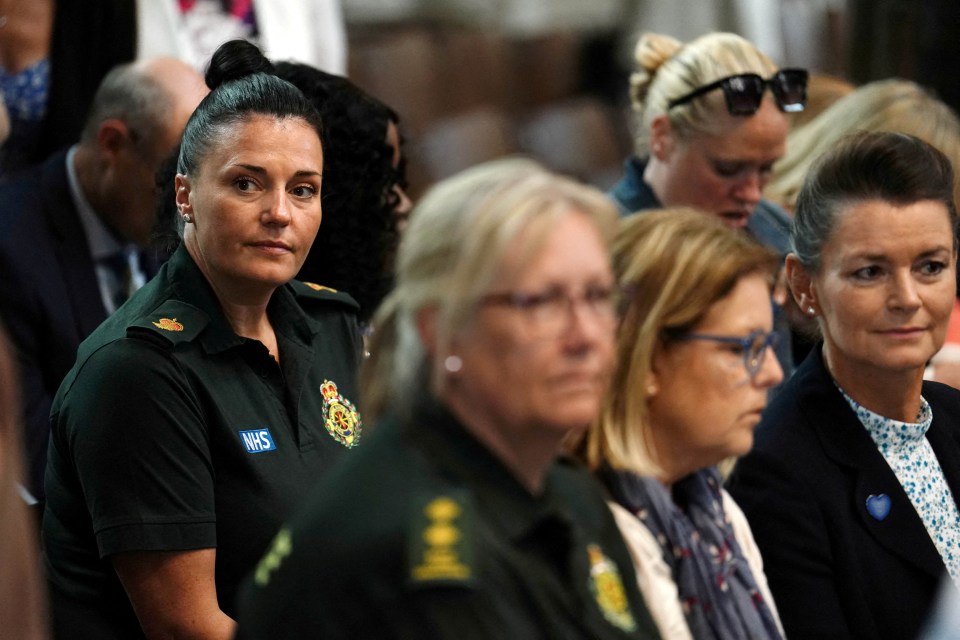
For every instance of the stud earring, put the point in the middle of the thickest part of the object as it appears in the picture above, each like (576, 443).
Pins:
(811, 310)
(453, 364)
(186, 217)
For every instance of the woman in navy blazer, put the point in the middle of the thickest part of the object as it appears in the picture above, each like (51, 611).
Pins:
(851, 486)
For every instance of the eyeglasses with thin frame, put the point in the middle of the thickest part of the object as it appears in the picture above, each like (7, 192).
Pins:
(754, 346)
(743, 92)
(548, 313)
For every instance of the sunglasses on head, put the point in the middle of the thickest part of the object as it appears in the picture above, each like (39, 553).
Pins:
(744, 91)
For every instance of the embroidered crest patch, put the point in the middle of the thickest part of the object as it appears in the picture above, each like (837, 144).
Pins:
(607, 589)
(340, 416)
(168, 324)
(440, 544)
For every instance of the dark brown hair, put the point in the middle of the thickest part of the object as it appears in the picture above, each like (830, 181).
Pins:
(893, 167)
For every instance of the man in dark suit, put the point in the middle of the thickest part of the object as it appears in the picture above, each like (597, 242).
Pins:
(71, 229)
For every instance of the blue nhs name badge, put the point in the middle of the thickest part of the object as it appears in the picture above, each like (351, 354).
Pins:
(258, 440)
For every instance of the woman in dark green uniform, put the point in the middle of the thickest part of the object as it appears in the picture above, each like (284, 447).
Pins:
(456, 520)
(199, 414)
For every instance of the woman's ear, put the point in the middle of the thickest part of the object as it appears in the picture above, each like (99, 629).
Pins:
(801, 286)
(182, 187)
(661, 138)
(652, 385)
(658, 363)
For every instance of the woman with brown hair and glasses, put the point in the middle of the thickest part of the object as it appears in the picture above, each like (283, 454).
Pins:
(712, 120)
(691, 379)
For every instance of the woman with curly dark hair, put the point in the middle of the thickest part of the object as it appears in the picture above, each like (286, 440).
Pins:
(364, 202)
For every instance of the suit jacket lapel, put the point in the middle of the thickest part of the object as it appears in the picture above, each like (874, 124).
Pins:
(73, 252)
(944, 434)
(847, 442)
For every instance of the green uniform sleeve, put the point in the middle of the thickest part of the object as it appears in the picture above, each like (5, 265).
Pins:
(134, 432)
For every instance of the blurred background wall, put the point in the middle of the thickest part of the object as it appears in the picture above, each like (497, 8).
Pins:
(475, 79)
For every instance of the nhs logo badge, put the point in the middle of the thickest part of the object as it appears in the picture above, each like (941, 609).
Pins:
(257, 440)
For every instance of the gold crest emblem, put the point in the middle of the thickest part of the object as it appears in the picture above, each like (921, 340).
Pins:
(340, 416)
(607, 588)
(442, 552)
(168, 324)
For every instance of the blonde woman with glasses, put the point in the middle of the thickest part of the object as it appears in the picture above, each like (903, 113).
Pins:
(691, 379)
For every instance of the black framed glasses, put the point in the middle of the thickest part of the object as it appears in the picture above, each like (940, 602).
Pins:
(754, 346)
(744, 92)
(547, 313)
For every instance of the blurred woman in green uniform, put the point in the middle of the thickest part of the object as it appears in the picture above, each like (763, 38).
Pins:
(456, 520)
(200, 413)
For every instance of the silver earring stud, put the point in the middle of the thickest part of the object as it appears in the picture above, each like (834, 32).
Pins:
(811, 310)
(187, 217)
(453, 364)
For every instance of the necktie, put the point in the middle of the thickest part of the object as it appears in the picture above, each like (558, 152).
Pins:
(121, 272)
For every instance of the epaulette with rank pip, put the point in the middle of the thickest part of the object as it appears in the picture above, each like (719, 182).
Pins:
(174, 320)
(440, 540)
(311, 291)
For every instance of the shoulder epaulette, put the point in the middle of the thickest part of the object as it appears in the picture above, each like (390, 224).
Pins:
(441, 539)
(174, 320)
(310, 291)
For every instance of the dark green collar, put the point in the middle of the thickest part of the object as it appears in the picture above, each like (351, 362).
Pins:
(188, 284)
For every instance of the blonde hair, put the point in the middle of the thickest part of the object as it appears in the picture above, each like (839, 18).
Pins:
(898, 106)
(673, 265)
(823, 90)
(451, 253)
(22, 606)
(668, 69)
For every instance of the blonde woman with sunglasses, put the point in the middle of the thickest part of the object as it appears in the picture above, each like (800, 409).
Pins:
(712, 120)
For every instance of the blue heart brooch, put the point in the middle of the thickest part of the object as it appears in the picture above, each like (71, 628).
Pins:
(878, 506)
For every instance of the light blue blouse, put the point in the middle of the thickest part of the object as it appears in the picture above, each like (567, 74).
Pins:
(911, 458)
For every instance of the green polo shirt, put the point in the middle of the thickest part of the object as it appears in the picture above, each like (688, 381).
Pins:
(171, 432)
(425, 534)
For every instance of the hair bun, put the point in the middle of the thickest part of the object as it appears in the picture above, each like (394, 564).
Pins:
(233, 60)
(652, 50)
